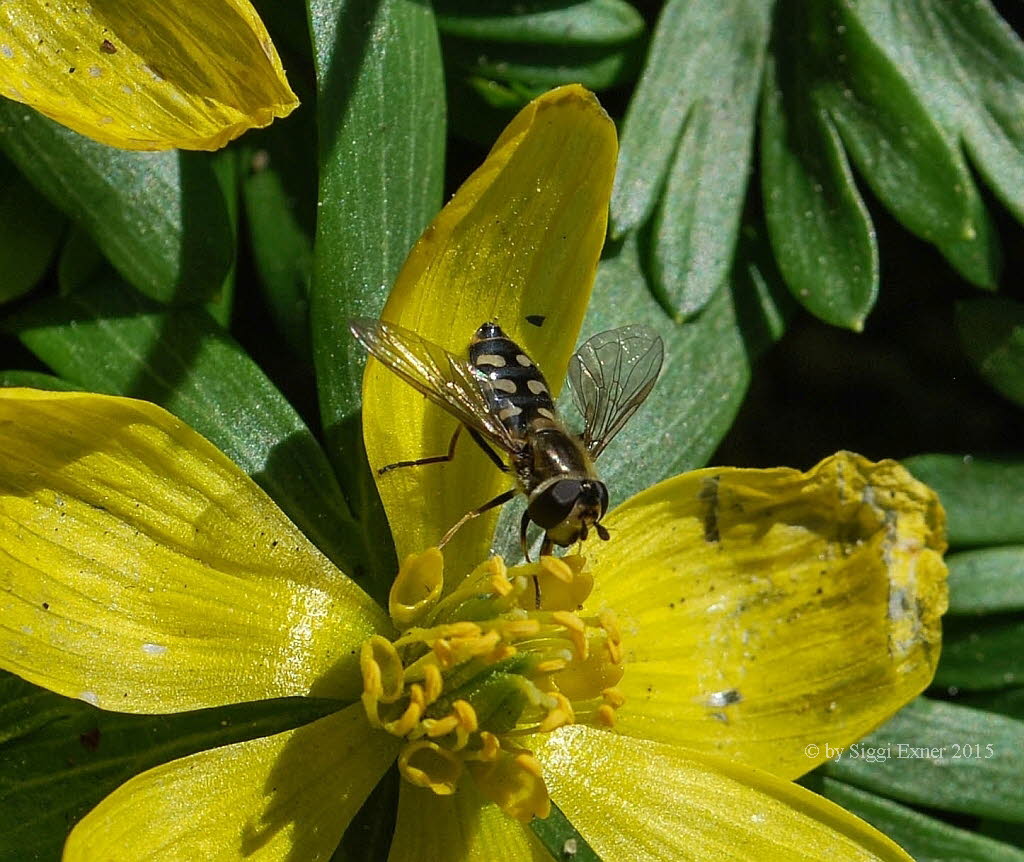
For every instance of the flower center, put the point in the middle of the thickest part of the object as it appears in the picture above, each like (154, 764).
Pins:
(471, 676)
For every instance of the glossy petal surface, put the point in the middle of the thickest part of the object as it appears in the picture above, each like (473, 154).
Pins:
(520, 238)
(144, 76)
(766, 610)
(639, 800)
(463, 827)
(287, 796)
(142, 571)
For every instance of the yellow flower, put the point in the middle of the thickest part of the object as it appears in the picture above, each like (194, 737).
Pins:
(144, 76)
(737, 623)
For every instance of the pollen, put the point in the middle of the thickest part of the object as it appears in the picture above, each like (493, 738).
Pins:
(476, 670)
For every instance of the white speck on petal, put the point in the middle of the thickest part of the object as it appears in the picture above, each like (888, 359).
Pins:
(757, 818)
(6, 51)
(154, 649)
(90, 697)
(26, 630)
(94, 71)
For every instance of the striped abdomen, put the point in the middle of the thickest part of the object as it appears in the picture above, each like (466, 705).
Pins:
(520, 392)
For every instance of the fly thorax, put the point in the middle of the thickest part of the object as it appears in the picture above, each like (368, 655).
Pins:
(474, 674)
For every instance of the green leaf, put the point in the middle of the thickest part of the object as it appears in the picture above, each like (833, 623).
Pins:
(368, 837)
(279, 193)
(117, 342)
(686, 144)
(1009, 702)
(226, 170)
(30, 230)
(36, 380)
(988, 580)
(953, 758)
(81, 262)
(569, 23)
(983, 497)
(159, 217)
(62, 756)
(540, 68)
(541, 44)
(981, 653)
(820, 229)
(967, 65)
(992, 335)
(381, 134)
(561, 838)
(923, 837)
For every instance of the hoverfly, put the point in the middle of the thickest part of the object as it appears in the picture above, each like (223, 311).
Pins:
(501, 397)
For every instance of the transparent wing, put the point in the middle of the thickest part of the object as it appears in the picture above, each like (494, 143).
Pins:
(447, 380)
(610, 376)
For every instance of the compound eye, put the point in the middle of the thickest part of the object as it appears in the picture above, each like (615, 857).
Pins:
(555, 503)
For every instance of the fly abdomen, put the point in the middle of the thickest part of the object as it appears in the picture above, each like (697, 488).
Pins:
(518, 392)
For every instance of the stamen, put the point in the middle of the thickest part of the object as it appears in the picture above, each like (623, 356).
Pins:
(484, 666)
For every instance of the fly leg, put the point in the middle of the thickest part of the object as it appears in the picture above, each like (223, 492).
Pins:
(450, 454)
(546, 547)
(433, 459)
(474, 513)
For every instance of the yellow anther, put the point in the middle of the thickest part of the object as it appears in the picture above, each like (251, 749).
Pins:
(500, 653)
(433, 683)
(606, 715)
(491, 746)
(426, 764)
(417, 696)
(516, 629)
(382, 669)
(443, 650)
(613, 697)
(557, 569)
(406, 722)
(559, 716)
(417, 587)
(552, 665)
(496, 566)
(527, 761)
(461, 629)
(577, 630)
(500, 585)
(515, 784)
(436, 727)
(614, 651)
(466, 715)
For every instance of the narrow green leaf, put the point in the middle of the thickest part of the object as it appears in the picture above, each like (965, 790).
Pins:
(279, 192)
(539, 67)
(159, 217)
(36, 380)
(226, 169)
(569, 23)
(820, 230)
(942, 755)
(983, 497)
(381, 135)
(561, 838)
(368, 837)
(923, 837)
(81, 262)
(896, 144)
(992, 335)
(112, 340)
(62, 756)
(1009, 702)
(708, 51)
(30, 230)
(967, 65)
(698, 218)
(988, 580)
(981, 653)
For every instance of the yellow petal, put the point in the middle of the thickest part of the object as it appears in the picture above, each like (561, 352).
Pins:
(763, 611)
(144, 572)
(521, 237)
(463, 827)
(287, 796)
(633, 799)
(144, 76)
